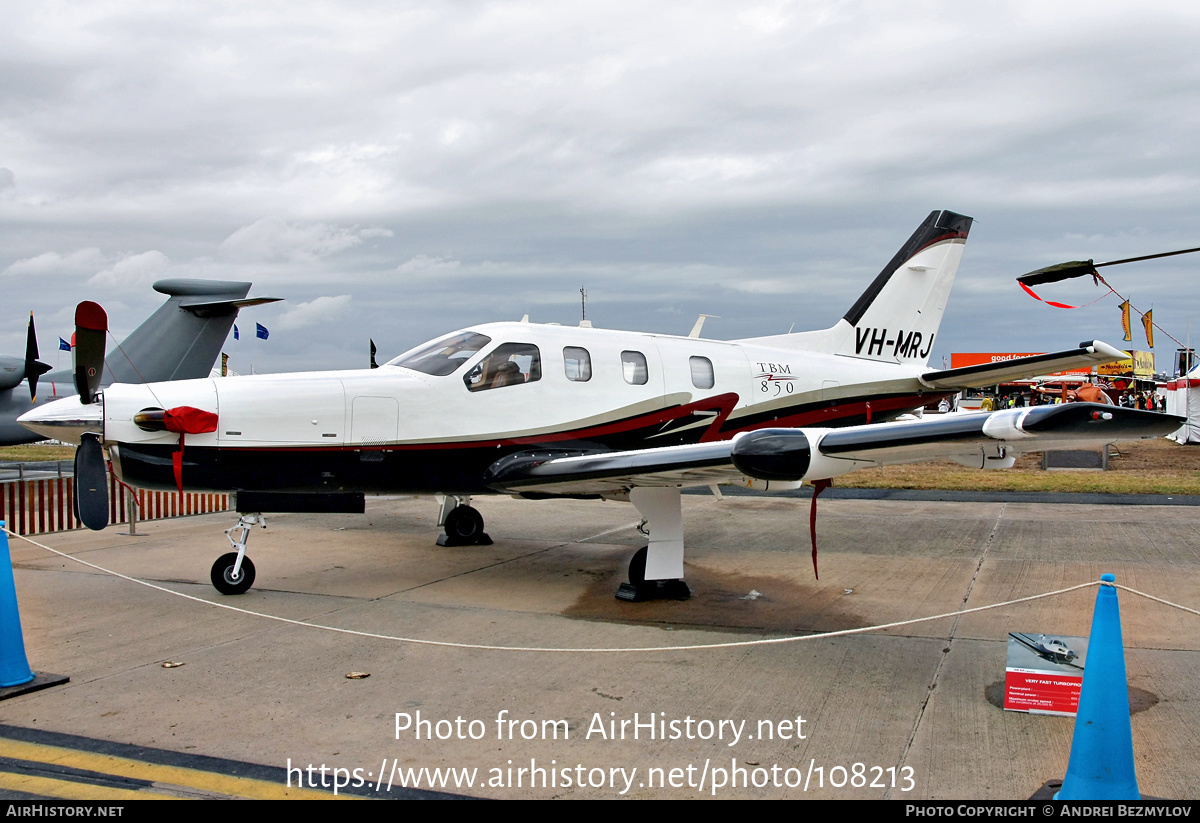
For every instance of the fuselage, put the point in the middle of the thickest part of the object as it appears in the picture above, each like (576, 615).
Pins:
(435, 419)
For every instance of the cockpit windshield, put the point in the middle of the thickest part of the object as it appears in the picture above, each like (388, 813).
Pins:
(442, 357)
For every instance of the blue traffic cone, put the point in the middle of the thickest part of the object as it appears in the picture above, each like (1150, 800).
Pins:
(14, 668)
(1101, 765)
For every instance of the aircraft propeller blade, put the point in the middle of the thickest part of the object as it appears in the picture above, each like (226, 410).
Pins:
(91, 483)
(91, 326)
(1082, 268)
(34, 368)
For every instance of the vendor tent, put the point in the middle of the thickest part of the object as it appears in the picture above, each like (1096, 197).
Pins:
(1183, 399)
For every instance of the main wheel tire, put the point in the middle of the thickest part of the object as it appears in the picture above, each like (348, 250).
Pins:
(637, 566)
(464, 523)
(222, 575)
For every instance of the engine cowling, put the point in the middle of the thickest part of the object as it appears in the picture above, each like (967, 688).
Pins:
(773, 454)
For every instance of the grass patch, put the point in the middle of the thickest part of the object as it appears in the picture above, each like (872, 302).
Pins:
(35, 453)
(1142, 467)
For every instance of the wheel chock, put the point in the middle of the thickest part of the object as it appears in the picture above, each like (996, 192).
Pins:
(480, 539)
(654, 590)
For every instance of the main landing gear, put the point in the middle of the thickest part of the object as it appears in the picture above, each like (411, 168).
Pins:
(233, 573)
(656, 570)
(639, 589)
(462, 525)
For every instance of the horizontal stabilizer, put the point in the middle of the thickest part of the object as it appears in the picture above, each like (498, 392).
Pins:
(1088, 354)
(216, 308)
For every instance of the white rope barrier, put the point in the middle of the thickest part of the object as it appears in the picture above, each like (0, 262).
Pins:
(628, 650)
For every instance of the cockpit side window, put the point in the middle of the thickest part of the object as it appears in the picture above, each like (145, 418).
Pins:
(509, 364)
(444, 356)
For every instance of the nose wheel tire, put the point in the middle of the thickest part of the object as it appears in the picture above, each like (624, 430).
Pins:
(464, 527)
(222, 575)
(464, 523)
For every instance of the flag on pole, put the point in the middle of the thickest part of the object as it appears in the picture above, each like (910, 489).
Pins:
(1148, 325)
(63, 345)
(236, 336)
(261, 332)
(374, 365)
(1124, 307)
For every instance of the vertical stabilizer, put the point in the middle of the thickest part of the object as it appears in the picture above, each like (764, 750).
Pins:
(896, 319)
(182, 339)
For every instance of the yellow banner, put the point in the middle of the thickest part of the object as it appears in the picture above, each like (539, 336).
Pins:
(1148, 325)
(1139, 364)
(1143, 363)
(1124, 307)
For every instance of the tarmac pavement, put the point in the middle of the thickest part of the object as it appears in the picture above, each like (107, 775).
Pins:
(915, 705)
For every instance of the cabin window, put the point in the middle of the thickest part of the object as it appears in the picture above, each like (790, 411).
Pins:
(509, 364)
(577, 363)
(443, 356)
(633, 367)
(702, 372)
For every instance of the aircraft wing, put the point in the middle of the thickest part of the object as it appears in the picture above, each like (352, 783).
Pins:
(979, 435)
(699, 464)
(981, 439)
(1089, 354)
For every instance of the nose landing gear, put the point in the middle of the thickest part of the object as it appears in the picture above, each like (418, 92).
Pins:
(233, 573)
(463, 524)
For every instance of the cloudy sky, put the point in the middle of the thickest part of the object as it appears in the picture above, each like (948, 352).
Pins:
(398, 169)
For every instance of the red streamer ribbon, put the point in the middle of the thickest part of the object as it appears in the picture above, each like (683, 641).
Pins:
(818, 487)
(1058, 305)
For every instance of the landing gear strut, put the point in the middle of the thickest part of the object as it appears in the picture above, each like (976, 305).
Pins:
(463, 525)
(233, 573)
(656, 570)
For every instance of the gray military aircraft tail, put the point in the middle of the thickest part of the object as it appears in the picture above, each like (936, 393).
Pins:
(180, 341)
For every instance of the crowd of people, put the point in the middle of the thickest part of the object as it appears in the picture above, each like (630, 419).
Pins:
(1086, 392)
(1149, 401)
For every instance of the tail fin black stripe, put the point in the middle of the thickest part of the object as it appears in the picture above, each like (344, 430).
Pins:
(938, 226)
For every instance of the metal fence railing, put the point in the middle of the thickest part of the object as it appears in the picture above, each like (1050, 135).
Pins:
(45, 505)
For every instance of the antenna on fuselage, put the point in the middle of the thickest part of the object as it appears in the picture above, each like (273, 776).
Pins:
(584, 323)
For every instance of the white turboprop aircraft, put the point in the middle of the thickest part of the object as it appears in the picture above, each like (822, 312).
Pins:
(543, 411)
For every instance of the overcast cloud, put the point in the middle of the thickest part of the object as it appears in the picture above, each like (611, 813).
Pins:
(397, 170)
